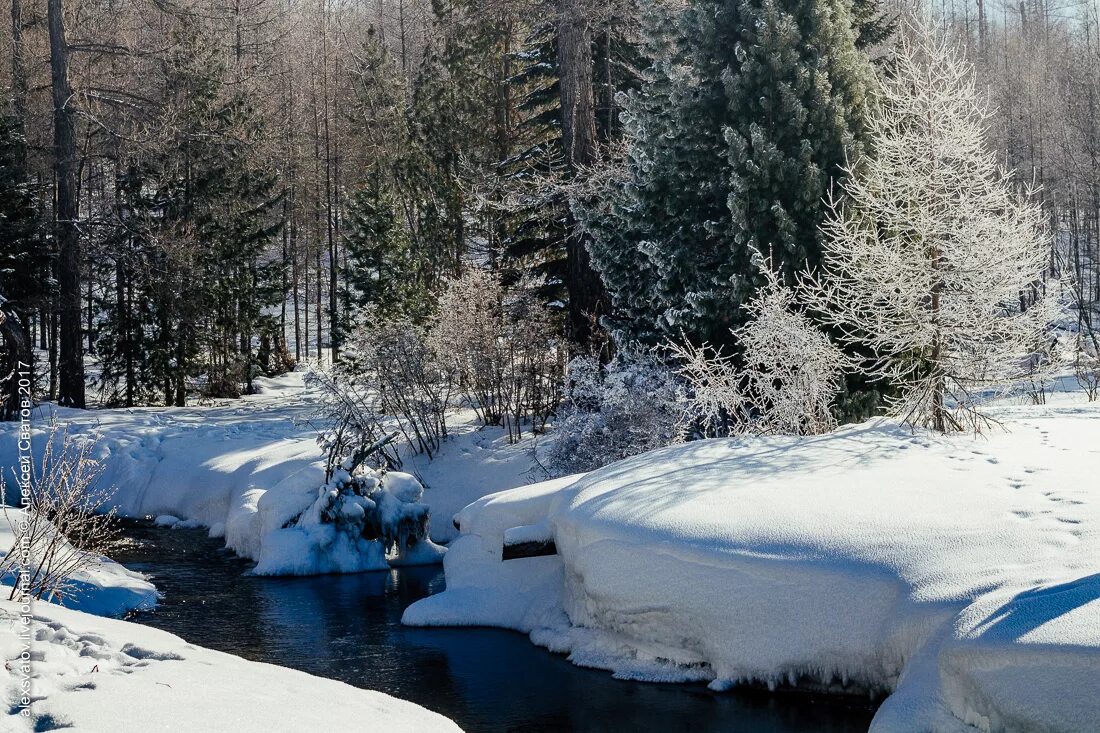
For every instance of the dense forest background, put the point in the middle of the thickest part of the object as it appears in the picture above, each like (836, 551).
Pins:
(197, 193)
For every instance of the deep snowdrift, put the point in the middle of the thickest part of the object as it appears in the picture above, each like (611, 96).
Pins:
(104, 587)
(96, 674)
(245, 468)
(959, 574)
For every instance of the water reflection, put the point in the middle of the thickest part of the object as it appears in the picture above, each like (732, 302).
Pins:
(347, 627)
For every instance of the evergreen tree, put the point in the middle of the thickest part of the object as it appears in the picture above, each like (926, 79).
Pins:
(535, 237)
(383, 273)
(24, 264)
(24, 260)
(125, 344)
(193, 222)
(749, 110)
(533, 244)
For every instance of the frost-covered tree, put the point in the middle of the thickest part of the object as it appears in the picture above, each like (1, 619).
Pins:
(933, 263)
(500, 344)
(793, 370)
(611, 412)
(788, 376)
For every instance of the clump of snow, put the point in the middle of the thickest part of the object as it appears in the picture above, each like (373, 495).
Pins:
(167, 520)
(958, 574)
(364, 522)
(145, 679)
(541, 532)
(102, 586)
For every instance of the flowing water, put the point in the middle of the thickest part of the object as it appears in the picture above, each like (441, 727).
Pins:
(348, 627)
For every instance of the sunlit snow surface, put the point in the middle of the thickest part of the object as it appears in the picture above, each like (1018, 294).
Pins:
(960, 574)
(245, 468)
(99, 674)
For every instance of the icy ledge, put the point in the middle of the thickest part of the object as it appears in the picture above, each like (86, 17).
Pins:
(959, 575)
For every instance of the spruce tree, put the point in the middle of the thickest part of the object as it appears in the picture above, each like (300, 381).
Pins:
(535, 232)
(193, 221)
(383, 274)
(24, 260)
(750, 110)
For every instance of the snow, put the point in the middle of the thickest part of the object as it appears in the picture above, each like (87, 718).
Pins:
(541, 532)
(104, 588)
(245, 468)
(475, 461)
(958, 574)
(97, 674)
(167, 520)
(88, 673)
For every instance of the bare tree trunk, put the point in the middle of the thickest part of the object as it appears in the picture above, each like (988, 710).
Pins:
(333, 268)
(70, 362)
(587, 297)
(18, 70)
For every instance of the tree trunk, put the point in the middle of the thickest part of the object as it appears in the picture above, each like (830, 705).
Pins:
(18, 70)
(587, 297)
(17, 358)
(70, 359)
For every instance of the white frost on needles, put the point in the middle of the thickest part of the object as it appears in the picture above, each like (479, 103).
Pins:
(958, 574)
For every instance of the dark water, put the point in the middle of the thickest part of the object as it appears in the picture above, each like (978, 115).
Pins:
(348, 627)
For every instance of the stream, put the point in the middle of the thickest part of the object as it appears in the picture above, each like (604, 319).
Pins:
(348, 627)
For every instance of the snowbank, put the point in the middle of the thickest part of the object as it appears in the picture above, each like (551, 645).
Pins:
(958, 574)
(97, 674)
(243, 468)
(105, 588)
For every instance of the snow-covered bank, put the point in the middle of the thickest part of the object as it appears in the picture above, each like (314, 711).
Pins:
(102, 586)
(245, 468)
(958, 574)
(96, 674)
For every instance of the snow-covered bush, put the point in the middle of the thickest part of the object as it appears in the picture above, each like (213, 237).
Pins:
(927, 256)
(501, 346)
(374, 505)
(792, 370)
(715, 398)
(392, 366)
(787, 378)
(630, 406)
(361, 519)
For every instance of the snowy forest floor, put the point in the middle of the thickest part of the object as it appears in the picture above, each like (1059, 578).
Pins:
(237, 467)
(955, 574)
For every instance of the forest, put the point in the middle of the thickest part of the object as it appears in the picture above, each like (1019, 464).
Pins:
(752, 345)
(195, 194)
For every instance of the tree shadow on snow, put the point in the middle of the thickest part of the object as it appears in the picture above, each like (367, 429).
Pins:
(1031, 609)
